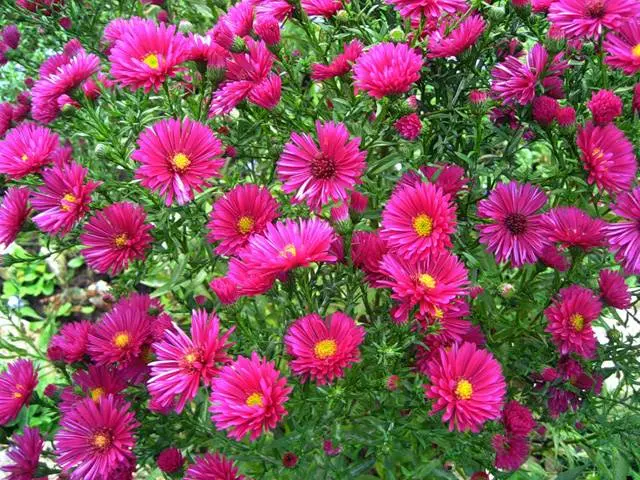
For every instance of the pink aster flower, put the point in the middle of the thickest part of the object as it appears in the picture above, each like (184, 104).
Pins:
(95, 440)
(511, 451)
(340, 65)
(623, 47)
(26, 149)
(203, 49)
(267, 28)
(570, 316)
(418, 221)
(170, 460)
(14, 210)
(11, 36)
(624, 237)
(70, 343)
(613, 290)
(225, 289)
(248, 396)
(146, 54)
(367, 249)
(447, 42)
(408, 127)
(115, 236)
(63, 199)
(213, 467)
(544, 110)
(589, 18)
(517, 419)
(17, 383)
(467, 383)
(183, 363)
(248, 279)
(323, 349)
(566, 116)
(177, 158)
(414, 9)
(518, 232)
(118, 27)
(321, 8)
(605, 107)
(237, 215)
(96, 382)
(608, 156)
(552, 257)
(387, 69)
(572, 227)
(324, 173)
(24, 454)
(6, 117)
(430, 283)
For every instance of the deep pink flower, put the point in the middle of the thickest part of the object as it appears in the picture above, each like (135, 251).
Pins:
(26, 149)
(17, 383)
(517, 419)
(63, 199)
(367, 249)
(70, 343)
(566, 116)
(6, 117)
(96, 439)
(467, 383)
(358, 202)
(267, 28)
(623, 47)
(414, 9)
(11, 36)
(95, 383)
(605, 107)
(544, 110)
(518, 233)
(541, 6)
(24, 453)
(118, 27)
(387, 69)
(324, 173)
(613, 290)
(248, 280)
(321, 8)
(225, 289)
(511, 451)
(248, 396)
(340, 65)
(14, 210)
(170, 460)
(447, 42)
(213, 467)
(570, 316)
(552, 257)
(572, 227)
(146, 54)
(559, 401)
(624, 237)
(589, 18)
(635, 103)
(204, 49)
(183, 363)
(323, 349)
(177, 158)
(449, 177)
(115, 236)
(408, 127)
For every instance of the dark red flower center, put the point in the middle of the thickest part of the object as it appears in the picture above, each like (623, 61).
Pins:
(595, 8)
(516, 223)
(323, 167)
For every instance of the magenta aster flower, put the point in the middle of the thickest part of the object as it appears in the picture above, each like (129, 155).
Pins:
(408, 127)
(517, 419)
(518, 232)
(177, 158)
(170, 460)
(70, 343)
(248, 280)
(96, 439)
(324, 173)
(572, 227)
(115, 236)
(431, 283)
(323, 349)
(552, 257)
(248, 396)
(17, 383)
(387, 69)
(96, 382)
(225, 289)
(367, 249)
(447, 42)
(146, 54)
(608, 156)
(24, 453)
(544, 110)
(624, 237)
(213, 467)
(589, 18)
(467, 383)
(570, 316)
(321, 8)
(613, 290)
(418, 220)
(340, 65)
(118, 27)
(414, 9)
(203, 49)
(237, 215)
(63, 199)
(511, 451)
(183, 363)
(605, 107)
(26, 149)
(623, 47)
(14, 210)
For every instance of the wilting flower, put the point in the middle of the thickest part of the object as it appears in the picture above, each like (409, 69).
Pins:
(623, 47)
(409, 126)
(511, 451)
(624, 237)
(605, 107)
(608, 156)
(572, 227)
(445, 42)
(341, 65)
(570, 316)
(115, 236)
(322, 349)
(614, 290)
(70, 343)
(95, 439)
(248, 396)
(589, 18)
(321, 8)
(14, 210)
(212, 467)
(367, 249)
(17, 383)
(517, 419)
(183, 363)
(319, 174)
(177, 158)
(387, 69)
(414, 9)
(518, 233)
(467, 383)
(26, 149)
(24, 453)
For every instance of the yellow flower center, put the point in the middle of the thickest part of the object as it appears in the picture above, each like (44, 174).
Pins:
(96, 393)
(180, 162)
(69, 198)
(325, 349)
(24, 157)
(288, 251)
(152, 61)
(597, 154)
(427, 280)
(438, 313)
(121, 339)
(635, 51)
(423, 225)
(17, 394)
(101, 441)
(577, 322)
(255, 399)
(121, 240)
(190, 358)
(245, 225)
(464, 389)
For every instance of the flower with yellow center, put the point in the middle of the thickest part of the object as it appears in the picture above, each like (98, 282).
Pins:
(325, 349)
(423, 225)
(151, 60)
(101, 440)
(69, 198)
(288, 251)
(245, 225)
(121, 240)
(255, 399)
(121, 339)
(17, 394)
(190, 358)
(635, 51)
(96, 393)
(438, 313)
(24, 157)
(577, 322)
(464, 389)
(180, 162)
(427, 280)
(597, 153)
